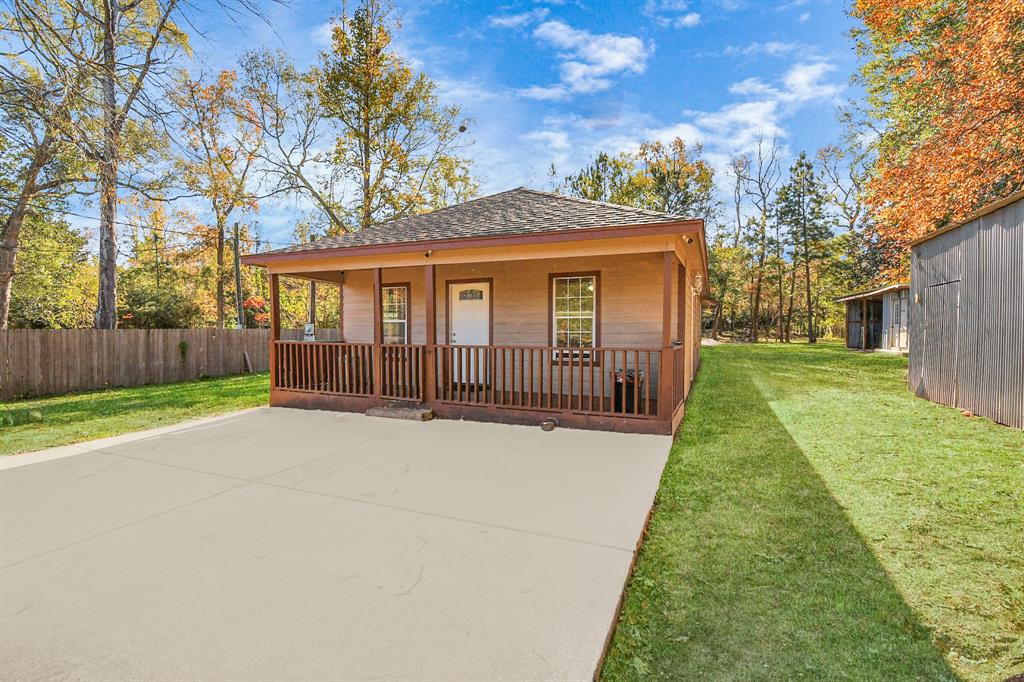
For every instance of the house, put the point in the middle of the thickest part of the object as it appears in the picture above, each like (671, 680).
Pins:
(519, 307)
(967, 294)
(878, 319)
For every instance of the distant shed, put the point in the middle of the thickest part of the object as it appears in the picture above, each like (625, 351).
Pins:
(878, 319)
(967, 293)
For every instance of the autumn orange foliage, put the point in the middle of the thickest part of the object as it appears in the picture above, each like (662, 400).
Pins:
(946, 77)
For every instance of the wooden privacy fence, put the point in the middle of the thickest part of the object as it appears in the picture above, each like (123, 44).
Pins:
(52, 361)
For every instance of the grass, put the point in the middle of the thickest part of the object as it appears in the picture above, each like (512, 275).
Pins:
(817, 521)
(60, 420)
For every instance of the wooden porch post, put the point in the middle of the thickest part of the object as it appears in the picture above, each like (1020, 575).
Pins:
(275, 325)
(430, 352)
(667, 363)
(378, 331)
(312, 302)
(341, 307)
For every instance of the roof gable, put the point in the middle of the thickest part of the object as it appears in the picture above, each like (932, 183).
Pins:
(514, 212)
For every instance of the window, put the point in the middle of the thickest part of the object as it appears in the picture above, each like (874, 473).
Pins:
(574, 311)
(395, 314)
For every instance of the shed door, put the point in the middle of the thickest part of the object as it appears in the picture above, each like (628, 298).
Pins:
(941, 347)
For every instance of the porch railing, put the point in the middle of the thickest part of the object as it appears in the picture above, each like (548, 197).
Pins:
(319, 367)
(622, 382)
(402, 372)
(604, 381)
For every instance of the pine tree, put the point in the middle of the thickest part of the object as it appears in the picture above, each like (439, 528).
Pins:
(802, 210)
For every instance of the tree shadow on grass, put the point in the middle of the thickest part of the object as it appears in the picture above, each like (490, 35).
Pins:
(752, 570)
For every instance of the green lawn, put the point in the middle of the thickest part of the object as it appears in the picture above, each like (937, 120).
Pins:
(816, 521)
(46, 422)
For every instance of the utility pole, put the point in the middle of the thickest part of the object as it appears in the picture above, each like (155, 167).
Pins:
(156, 257)
(238, 283)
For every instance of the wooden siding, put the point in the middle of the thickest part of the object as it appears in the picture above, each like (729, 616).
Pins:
(967, 316)
(631, 303)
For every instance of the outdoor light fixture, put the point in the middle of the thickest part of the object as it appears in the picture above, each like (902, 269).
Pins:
(698, 282)
(427, 254)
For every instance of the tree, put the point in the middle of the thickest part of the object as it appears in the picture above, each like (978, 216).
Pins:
(613, 179)
(52, 289)
(677, 183)
(39, 105)
(946, 81)
(395, 142)
(222, 142)
(290, 117)
(760, 177)
(801, 207)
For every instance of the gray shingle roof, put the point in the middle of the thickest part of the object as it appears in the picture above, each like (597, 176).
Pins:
(516, 211)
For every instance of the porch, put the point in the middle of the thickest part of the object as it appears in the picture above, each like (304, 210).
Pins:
(634, 387)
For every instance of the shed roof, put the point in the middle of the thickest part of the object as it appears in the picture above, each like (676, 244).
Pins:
(519, 211)
(873, 293)
(983, 211)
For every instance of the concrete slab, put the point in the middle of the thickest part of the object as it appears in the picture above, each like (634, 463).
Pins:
(52, 505)
(593, 486)
(260, 443)
(466, 557)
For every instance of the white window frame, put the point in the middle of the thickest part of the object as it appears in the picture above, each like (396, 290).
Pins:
(383, 313)
(573, 352)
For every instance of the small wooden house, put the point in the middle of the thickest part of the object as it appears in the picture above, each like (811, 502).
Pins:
(967, 293)
(518, 307)
(878, 319)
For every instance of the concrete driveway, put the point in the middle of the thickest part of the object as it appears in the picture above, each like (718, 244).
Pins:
(285, 544)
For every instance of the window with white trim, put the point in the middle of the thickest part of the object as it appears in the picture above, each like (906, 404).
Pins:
(574, 311)
(394, 302)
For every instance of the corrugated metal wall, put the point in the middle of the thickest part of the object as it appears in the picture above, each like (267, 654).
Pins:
(967, 317)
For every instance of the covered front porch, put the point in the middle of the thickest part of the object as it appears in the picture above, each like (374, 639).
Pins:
(595, 342)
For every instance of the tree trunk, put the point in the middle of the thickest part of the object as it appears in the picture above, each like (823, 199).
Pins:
(715, 320)
(782, 276)
(106, 299)
(12, 229)
(811, 338)
(220, 271)
(789, 313)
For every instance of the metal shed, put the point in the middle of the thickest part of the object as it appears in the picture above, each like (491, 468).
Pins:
(878, 319)
(967, 310)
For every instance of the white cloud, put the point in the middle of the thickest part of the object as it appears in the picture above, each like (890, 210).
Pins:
(555, 140)
(518, 20)
(804, 17)
(772, 48)
(322, 34)
(589, 61)
(688, 20)
(671, 13)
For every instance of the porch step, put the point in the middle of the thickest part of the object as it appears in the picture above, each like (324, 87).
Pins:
(414, 413)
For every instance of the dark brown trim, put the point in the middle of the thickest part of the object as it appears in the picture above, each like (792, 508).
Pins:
(580, 234)
(552, 276)
(341, 306)
(666, 298)
(408, 309)
(448, 306)
(681, 303)
(572, 420)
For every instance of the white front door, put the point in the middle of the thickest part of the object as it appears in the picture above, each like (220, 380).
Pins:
(469, 324)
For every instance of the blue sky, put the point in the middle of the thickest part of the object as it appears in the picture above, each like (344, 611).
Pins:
(557, 81)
